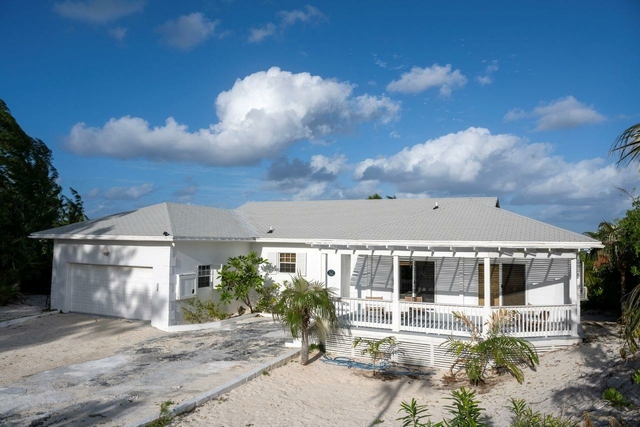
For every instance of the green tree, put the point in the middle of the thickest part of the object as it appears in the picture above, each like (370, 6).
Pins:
(71, 210)
(374, 196)
(627, 146)
(241, 278)
(29, 202)
(307, 308)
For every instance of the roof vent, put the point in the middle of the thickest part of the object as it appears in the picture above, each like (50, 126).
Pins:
(436, 206)
(164, 233)
(270, 230)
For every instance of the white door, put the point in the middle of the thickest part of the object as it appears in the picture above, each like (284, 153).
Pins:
(111, 290)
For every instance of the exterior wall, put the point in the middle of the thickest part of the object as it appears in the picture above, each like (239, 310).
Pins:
(317, 264)
(547, 279)
(188, 256)
(131, 254)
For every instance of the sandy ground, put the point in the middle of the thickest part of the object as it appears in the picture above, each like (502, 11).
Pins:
(32, 304)
(64, 339)
(567, 382)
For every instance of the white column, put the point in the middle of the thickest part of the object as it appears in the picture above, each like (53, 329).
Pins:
(573, 296)
(395, 319)
(487, 291)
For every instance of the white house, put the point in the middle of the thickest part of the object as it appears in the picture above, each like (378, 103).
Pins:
(399, 266)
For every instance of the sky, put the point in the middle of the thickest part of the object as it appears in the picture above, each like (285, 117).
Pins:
(222, 102)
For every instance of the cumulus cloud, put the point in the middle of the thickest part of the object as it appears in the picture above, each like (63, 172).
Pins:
(118, 33)
(98, 11)
(563, 113)
(187, 31)
(420, 79)
(128, 193)
(259, 117)
(474, 161)
(94, 192)
(486, 78)
(285, 19)
(394, 134)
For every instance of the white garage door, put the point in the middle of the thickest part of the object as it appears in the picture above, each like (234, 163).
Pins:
(111, 291)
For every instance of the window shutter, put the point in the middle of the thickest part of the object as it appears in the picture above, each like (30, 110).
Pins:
(301, 263)
(186, 285)
(272, 257)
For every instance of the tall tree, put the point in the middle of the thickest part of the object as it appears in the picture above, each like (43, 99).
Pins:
(30, 201)
(627, 145)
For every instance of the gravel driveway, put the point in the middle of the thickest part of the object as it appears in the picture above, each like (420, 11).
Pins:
(72, 369)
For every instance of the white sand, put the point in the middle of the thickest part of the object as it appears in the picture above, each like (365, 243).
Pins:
(566, 382)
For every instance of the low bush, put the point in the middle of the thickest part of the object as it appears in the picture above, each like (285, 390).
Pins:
(9, 293)
(198, 311)
(524, 416)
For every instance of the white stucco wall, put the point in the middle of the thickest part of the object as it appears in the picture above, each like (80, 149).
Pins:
(124, 253)
(188, 256)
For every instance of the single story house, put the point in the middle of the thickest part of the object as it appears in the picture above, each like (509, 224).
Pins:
(399, 266)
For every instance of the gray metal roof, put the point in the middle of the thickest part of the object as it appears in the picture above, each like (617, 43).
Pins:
(461, 219)
(456, 219)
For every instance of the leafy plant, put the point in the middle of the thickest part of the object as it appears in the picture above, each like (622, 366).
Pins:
(376, 349)
(240, 277)
(465, 409)
(505, 352)
(524, 416)
(165, 415)
(306, 308)
(198, 311)
(269, 295)
(414, 414)
(615, 398)
(635, 377)
(9, 293)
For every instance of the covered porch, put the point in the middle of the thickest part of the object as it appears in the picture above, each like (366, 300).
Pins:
(417, 290)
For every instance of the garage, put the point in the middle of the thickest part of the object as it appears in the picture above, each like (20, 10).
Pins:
(111, 290)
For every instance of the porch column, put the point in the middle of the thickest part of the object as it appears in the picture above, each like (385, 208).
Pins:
(395, 317)
(487, 293)
(573, 296)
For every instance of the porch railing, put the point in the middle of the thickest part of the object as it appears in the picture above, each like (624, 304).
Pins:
(539, 321)
(429, 318)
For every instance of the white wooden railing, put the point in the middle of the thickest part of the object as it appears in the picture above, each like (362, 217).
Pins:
(526, 321)
(539, 321)
(439, 318)
(365, 313)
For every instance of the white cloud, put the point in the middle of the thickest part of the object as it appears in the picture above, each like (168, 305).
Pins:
(98, 11)
(94, 192)
(420, 79)
(286, 19)
(487, 79)
(563, 113)
(128, 193)
(187, 31)
(118, 33)
(474, 161)
(394, 134)
(309, 13)
(514, 114)
(256, 35)
(259, 117)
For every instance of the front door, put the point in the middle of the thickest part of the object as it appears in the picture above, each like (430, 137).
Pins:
(425, 280)
(513, 284)
(495, 284)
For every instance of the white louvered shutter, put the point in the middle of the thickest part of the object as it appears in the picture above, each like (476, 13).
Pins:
(301, 263)
(273, 259)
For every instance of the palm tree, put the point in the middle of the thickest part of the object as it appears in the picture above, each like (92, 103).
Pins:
(307, 308)
(613, 254)
(627, 145)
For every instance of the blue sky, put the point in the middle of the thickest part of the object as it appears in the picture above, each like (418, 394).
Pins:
(222, 102)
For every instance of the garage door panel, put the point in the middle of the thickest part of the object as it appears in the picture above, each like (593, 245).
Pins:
(111, 290)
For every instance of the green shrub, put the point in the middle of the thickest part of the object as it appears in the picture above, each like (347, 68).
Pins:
(615, 398)
(465, 410)
(524, 416)
(414, 414)
(635, 378)
(506, 352)
(165, 415)
(376, 349)
(9, 293)
(269, 295)
(198, 311)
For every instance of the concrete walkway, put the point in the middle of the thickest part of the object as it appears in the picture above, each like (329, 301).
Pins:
(130, 385)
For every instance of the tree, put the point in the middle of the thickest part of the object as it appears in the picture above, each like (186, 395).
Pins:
(29, 202)
(71, 211)
(627, 146)
(307, 308)
(374, 196)
(240, 277)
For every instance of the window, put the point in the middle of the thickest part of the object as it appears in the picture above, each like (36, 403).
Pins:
(204, 276)
(287, 263)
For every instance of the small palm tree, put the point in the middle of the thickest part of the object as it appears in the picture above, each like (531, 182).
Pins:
(307, 308)
(627, 145)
